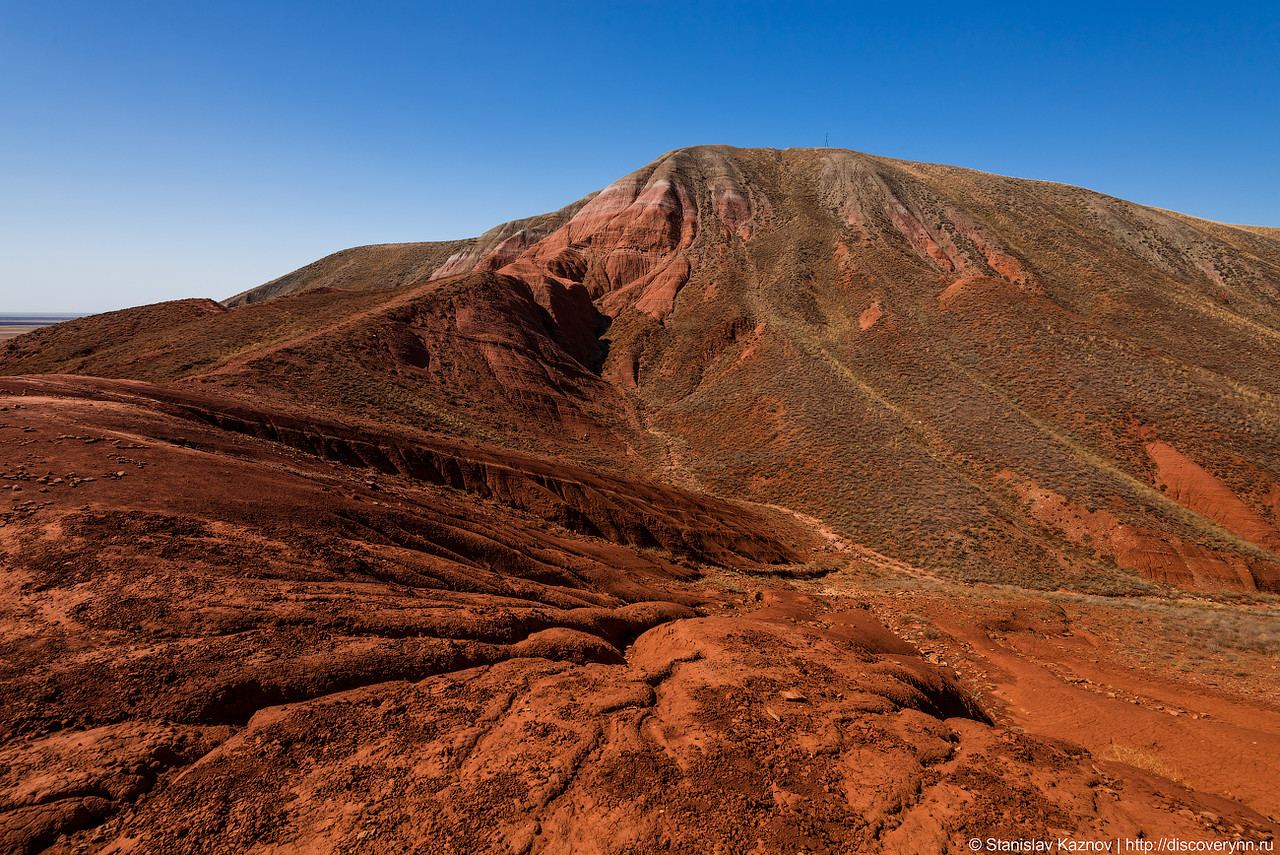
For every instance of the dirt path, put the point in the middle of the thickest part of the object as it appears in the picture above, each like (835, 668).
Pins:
(1108, 716)
(675, 469)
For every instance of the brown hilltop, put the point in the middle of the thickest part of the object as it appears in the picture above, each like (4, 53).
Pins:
(393, 265)
(669, 521)
(992, 313)
(389, 265)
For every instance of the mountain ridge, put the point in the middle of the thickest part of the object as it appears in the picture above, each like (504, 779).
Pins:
(712, 267)
(765, 500)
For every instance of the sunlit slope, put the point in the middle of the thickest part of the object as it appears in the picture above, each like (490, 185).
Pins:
(1000, 378)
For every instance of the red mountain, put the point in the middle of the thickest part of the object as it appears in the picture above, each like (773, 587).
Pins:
(568, 517)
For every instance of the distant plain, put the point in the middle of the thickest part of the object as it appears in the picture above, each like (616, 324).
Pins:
(12, 326)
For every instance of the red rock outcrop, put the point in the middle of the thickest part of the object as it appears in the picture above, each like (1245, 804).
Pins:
(1191, 486)
(870, 195)
(1160, 556)
(630, 245)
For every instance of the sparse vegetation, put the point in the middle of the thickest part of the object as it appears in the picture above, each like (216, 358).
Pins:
(1147, 759)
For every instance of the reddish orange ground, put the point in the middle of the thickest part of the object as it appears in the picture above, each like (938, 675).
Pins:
(217, 643)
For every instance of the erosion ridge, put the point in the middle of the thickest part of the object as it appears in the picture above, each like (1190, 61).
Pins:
(755, 502)
(623, 511)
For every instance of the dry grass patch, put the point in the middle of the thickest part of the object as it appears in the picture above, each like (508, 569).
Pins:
(1146, 759)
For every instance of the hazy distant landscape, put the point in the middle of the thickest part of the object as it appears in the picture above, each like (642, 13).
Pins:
(14, 325)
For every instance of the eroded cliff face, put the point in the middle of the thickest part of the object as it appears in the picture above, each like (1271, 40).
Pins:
(632, 246)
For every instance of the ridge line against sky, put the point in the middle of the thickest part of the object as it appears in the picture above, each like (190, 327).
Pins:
(155, 150)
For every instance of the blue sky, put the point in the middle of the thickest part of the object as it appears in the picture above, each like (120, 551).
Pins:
(157, 150)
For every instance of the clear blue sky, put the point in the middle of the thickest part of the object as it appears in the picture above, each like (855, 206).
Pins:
(155, 150)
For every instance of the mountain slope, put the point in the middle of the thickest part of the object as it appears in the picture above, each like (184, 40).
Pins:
(977, 374)
(758, 502)
(394, 265)
(789, 316)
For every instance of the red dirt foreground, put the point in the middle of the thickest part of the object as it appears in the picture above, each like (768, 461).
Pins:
(226, 629)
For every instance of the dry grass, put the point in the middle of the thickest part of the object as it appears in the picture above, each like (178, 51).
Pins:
(1147, 759)
(1228, 631)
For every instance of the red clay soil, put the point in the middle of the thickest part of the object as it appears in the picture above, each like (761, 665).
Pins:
(1192, 486)
(219, 642)
(166, 579)
(1135, 683)
(1156, 555)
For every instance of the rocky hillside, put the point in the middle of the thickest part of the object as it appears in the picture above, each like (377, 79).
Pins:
(993, 377)
(763, 501)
